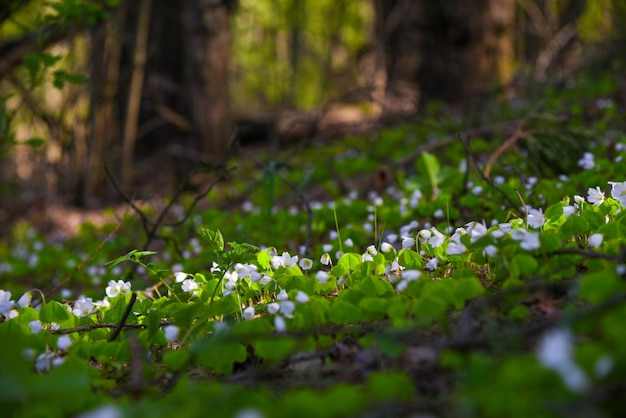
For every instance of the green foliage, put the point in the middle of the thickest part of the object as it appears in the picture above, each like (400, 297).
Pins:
(441, 296)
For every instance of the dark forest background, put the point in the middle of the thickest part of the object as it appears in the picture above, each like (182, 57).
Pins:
(152, 89)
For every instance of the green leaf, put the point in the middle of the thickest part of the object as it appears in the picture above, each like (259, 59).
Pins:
(410, 259)
(223, 306)
(373, 305)
(213, 238)
(468, 288)
(154, 322)
(599, 286)
(343, 313)
(350, 262)
(276, 348)
(33, 142)
(374, 286)
(301, 403)
(53, 311)
(429, 165)
(523, 265)
(575, 225)
(550, 241)
(554, 213)
(429, 307)
(183, 313)
(176, 359)
(519, 312)
(115, 313)
(343, 400)
(220, 355)
(390, 385)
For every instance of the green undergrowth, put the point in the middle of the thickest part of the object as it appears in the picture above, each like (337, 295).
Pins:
(464, 287)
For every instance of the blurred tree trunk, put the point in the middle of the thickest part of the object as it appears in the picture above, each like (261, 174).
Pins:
(453, 49)
(106, 51)
(549, 27)
(207, 42)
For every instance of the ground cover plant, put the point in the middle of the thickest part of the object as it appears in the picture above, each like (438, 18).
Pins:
(485, 279)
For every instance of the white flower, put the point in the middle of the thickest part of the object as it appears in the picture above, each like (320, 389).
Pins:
(189, 285)
(386, 247)
(535, 218)
(171, 333)
(265, 279)
(83, 306)
(402, 284)
(215, 268)
(439, 213)
(618, 192)
(25, 300)
(287, 307)
(325, 259)
(44, 361)
(179, 277)
(411, 274)
(424, 235)
(587, 161)
(595, 240)
(64, 342)
(246, 270)
(302, 297)
(476, 230)
(6, 304)
(490, 251)
(501, 230)
(528, 240)
(603, 366)
(455, 248)
(432, 264)
(273, 307)
(595, 196)
(230, 287)
(35, 326)
(282, 295)
(407, 242)
(555, 353)
(104, 411)
(305, 263)
(569, 210)
(395, 266)
(248, 313)
(116, 287)
(285, 260)
(348, 242)
(437, 238)
(279, 324)
(322, 277)
(248, 413)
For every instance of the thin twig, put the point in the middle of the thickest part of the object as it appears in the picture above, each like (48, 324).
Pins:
(144, 220)
(298, 192)
(524, 207)
(509, 142)
(92, 255)
(129, 308)
(486, 179)
(91, 327)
